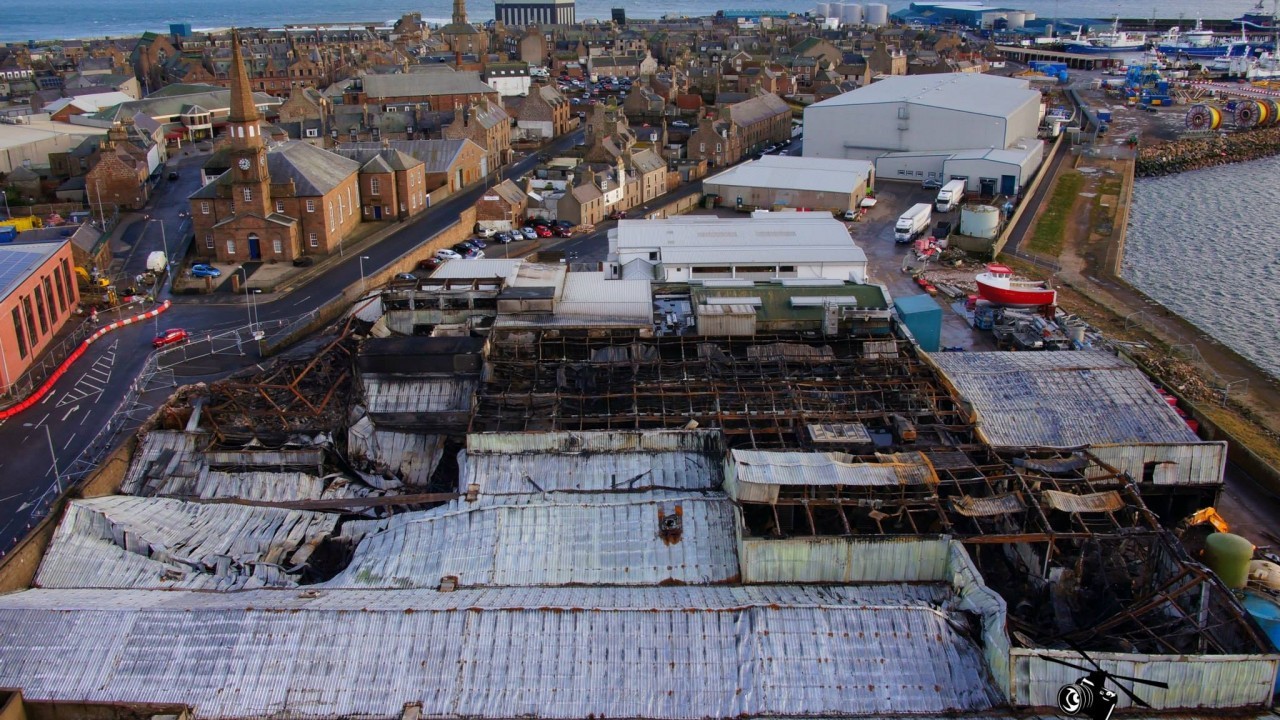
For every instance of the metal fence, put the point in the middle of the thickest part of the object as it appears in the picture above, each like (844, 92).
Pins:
(49, 361)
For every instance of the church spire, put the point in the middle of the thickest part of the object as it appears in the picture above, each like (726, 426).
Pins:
(242, 108)
(459, 12)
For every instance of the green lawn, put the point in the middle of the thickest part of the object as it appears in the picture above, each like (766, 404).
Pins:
(1047, 237)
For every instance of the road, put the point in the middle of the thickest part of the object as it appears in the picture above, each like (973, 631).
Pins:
(57, 435)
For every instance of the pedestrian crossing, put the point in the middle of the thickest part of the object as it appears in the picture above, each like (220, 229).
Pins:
(92, 383)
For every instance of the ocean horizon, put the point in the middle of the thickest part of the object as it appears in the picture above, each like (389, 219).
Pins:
(46, 20)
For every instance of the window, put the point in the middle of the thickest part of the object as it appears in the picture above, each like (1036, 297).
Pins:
(66, 277)
(332, 226)
(277, 246)
(312, 132)
(208, 240)
(17, 330)
(702, 147)
(204, 208)
(48, 293)
(312, 240)
(248, 194)
(311, 206)
(57, 281)
(279, 206)
(31, 321)
(231, 247)
(44, 317)
(717, 147)
(374, 185)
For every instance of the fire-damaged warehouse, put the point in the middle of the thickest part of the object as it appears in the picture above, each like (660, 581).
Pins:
(492, 497)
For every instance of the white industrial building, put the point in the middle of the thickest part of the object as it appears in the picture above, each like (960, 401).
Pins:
(981, 128)
(794, 182)
(691, 249)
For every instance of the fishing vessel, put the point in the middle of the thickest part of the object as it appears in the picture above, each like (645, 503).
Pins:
(998, 286)
(1115, 41)
(1192, 43)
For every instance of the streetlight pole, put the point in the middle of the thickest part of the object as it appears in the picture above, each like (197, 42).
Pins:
(362, 259)
(248, 313)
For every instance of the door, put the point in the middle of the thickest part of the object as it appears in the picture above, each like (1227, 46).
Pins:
(988, 186)
(377, 212)
(1008, 185)
(255, 248)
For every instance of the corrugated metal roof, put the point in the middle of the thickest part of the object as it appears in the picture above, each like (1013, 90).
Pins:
(763, 467)
(1061, 399)
(785, 172)
(477, 269)
(162, 454)
(129, 542)
(698, 652)
(967, 92)
(560, 539)
(593, 294)
(1175, 464)
(516, 473)
(390, 394)
(412, 457)
(788, 240)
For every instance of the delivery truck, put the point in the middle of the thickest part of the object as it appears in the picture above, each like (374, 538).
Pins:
(950, 196)
(913, 223)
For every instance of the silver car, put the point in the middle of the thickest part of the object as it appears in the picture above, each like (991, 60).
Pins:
(528, 233)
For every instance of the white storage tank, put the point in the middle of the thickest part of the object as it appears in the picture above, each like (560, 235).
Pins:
(835, 10)
(822, 9)
(877, 14)
(1017, 20)
(982, 221)
(852, 14)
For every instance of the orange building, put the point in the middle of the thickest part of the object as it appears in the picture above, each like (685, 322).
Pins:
(38, 296)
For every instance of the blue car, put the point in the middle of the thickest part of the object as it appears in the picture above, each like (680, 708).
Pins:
(202, 270)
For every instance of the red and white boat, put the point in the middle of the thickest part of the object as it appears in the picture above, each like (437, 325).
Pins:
(998, 286)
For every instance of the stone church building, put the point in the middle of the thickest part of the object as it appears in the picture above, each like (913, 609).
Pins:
(277, 203)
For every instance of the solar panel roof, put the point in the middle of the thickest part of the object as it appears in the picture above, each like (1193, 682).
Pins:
(17, 262)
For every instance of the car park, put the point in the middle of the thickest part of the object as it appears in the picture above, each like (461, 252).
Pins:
(203, 270)
(543, 231)
(172, 336)
(447, 254)
(528, 233)
(304, 261)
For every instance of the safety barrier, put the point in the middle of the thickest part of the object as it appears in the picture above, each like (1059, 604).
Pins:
(56, 375)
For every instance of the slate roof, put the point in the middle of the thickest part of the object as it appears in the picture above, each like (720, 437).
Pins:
(425, 84)
(437, 155)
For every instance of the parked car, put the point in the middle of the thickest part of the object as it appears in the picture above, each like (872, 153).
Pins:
(406, 276)
(202, 270)
(543, 231)
(430, 264)
(304, 261)
(479, 243)
(528, 233)
(172, 336)
(564, 223)
(679, 124)
(485, 232)
(474, 254)
(536, 221)
(463, 248)
(931, 184)
(447, 254)
(503, 237)
(561, 231)
(618, 215)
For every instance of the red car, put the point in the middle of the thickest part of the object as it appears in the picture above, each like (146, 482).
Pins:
(542, 230)
(172, 336)
(561, 231)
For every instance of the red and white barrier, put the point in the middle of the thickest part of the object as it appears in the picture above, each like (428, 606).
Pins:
(75, 355)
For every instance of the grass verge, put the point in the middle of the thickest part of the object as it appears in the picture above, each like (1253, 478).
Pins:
(1051, 227)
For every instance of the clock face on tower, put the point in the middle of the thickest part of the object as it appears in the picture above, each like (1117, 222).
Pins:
(245, 163)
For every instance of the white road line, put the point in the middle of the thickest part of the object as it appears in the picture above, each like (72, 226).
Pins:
(69, 440)
(47, 398)
(46, 417)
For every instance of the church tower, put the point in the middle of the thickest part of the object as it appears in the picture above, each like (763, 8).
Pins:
(459, 12)
(250, 181)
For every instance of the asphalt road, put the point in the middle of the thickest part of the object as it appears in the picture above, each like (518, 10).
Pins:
(49, 438)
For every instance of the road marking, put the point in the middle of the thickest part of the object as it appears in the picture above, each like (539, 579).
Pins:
(303, 300)
(46, 417)
(11, 497)
(47, 398)
(73, 409)
(73, 437)
(99, 373)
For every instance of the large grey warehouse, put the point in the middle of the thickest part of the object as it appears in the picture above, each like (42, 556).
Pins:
(981, 128)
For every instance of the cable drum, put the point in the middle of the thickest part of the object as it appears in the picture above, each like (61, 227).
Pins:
(1203, 117)
(1248, 113)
